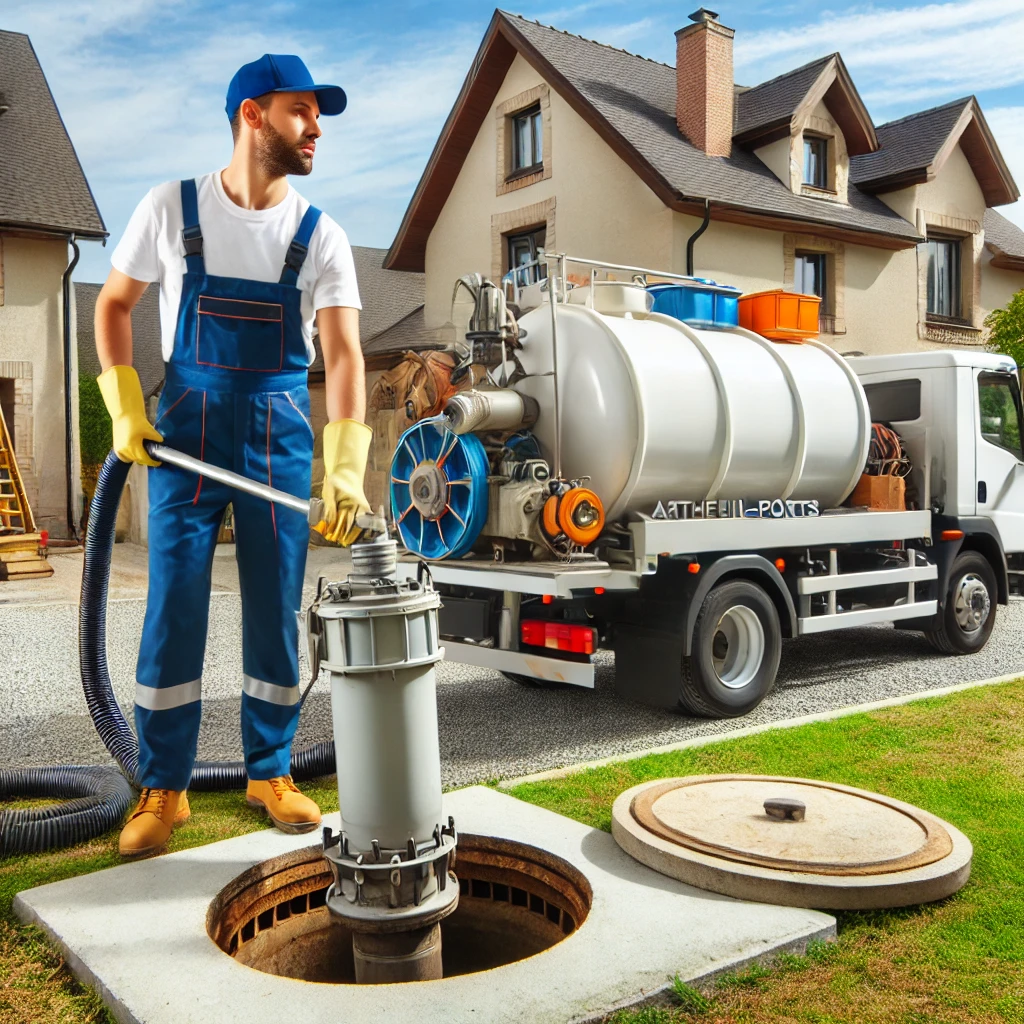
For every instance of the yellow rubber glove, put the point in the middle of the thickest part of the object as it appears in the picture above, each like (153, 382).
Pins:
(122, 395)
(346, 450)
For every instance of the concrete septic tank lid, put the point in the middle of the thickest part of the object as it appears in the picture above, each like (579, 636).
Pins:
(793, 842)
(138, 934)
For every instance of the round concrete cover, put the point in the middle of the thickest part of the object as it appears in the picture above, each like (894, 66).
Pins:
(796, 842)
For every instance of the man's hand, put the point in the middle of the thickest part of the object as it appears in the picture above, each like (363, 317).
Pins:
(346, 448)
(122, 395)
(346, 437)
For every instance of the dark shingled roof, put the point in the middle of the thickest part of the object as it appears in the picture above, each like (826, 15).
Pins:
(773, 102)
(907, 145)
(387, 295)
(389, 298)
(146, 353)
(41, 181)
(637, 97)
(1002, 236)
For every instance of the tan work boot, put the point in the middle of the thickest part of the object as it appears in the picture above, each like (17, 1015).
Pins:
(289, 810)
(148, 829)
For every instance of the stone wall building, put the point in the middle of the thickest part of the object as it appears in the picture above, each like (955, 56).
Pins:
(45, 205)
(562, 143)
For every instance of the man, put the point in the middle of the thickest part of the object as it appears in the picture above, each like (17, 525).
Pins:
(244, 265)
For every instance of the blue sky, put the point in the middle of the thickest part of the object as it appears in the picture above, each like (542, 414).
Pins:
(140, 83)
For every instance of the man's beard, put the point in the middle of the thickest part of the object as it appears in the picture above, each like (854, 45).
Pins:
(277, 156)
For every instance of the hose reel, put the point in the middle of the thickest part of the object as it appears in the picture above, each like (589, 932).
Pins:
(439, 489)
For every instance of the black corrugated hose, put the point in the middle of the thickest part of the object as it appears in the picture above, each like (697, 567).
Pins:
(104, 795)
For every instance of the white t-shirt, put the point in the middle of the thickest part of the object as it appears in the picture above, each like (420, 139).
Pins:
(236, 243)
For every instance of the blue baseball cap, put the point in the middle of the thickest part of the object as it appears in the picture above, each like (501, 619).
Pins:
(281, 72)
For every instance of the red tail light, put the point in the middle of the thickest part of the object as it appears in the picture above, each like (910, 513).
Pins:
(560, 636)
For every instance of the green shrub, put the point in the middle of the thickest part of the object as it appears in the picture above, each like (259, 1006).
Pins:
(93, 422)
(1006, 329)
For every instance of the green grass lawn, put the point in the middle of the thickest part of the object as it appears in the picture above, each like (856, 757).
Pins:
(961, 960)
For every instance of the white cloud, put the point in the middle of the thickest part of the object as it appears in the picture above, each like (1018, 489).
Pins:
(902, 56)
(1007, 124)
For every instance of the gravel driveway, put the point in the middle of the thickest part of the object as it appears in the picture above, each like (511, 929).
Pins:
(492, 728)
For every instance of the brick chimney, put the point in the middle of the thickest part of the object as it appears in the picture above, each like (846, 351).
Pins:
(704, 89)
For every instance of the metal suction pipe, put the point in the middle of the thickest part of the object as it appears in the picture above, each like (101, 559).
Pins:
(490, 409)
(311, 508)
(379, 640)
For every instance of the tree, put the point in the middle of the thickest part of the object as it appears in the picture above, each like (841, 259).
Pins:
(1006, 329)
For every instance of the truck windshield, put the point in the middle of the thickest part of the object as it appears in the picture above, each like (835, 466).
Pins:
(998, 411)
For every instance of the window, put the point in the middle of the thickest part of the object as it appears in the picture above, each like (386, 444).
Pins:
(527, 140)
(894, 401)
(523, 248)
(816, 161)
(944, 297)
(998, 406)
(810, 277)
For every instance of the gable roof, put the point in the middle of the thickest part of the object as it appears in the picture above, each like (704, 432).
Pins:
(913, 149)
(1005, 240)
(42, 185)
(630, 102)
(147, 356)
(767, 111)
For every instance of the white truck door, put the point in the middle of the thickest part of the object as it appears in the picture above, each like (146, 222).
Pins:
(1000, 458)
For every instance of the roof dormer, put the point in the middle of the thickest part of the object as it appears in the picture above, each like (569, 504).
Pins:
(805, 125)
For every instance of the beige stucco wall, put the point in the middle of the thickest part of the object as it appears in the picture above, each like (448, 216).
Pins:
(30, 342)
(601, 209)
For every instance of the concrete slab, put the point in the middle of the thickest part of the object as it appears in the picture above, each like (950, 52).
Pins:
(137, 934)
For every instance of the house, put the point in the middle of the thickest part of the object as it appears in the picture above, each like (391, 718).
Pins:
(566, 144)
(45, 208)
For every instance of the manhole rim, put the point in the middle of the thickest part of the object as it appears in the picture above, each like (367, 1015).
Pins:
(560, 884)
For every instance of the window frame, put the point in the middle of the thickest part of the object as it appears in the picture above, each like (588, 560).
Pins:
(956, 316)
(827, 306)
(534, 114)
(529, 235)
(810, 141)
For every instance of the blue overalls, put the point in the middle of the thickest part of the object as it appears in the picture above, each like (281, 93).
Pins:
(235, 396)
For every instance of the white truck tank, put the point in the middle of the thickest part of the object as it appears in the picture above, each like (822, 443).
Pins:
(654, 410)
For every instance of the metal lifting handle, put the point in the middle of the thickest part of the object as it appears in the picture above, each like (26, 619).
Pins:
(311, 508)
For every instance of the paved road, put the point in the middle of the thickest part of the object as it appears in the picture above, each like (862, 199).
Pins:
(490, 727)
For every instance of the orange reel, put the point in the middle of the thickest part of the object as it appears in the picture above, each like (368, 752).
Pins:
(578, 514)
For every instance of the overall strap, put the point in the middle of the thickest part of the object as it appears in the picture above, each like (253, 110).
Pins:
(296, 254)
(191, 234)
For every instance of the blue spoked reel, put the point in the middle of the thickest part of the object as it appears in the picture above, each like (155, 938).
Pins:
(439, 489)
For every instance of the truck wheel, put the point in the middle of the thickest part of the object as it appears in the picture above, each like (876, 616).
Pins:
(737, 643)
(970, 608)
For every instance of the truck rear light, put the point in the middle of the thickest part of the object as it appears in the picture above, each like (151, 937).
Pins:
(559, 636)
(951, 535)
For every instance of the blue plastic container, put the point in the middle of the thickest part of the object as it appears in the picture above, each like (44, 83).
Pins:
(702, 303)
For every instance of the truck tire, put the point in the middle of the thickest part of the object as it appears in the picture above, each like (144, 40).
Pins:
(737, 644)
(970, 607)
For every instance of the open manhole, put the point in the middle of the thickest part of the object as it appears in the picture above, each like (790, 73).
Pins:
(514, 901)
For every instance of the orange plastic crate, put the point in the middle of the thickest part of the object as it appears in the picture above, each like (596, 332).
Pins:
(780, 315)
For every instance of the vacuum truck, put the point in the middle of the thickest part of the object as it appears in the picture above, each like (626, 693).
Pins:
(630, 469)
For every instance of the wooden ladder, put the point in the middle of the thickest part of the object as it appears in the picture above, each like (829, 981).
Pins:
(22, 551)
